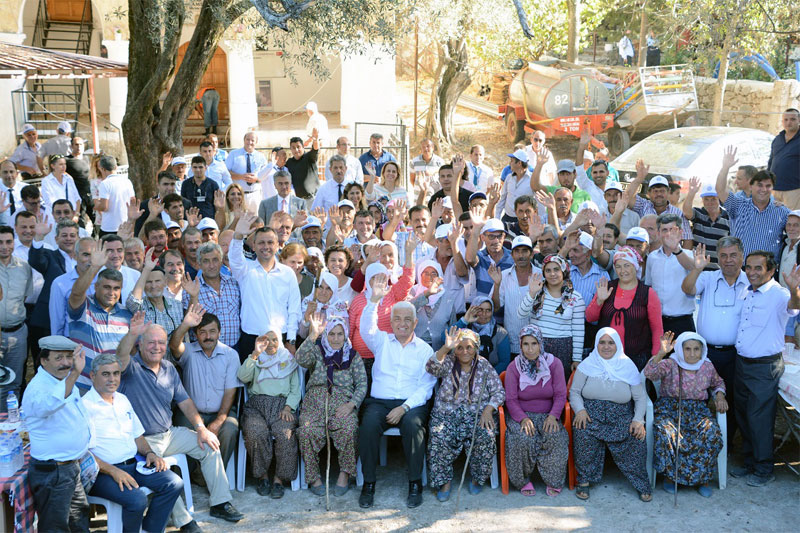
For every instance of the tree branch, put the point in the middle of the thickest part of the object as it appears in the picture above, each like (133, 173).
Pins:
(277, 19)
(523, 19)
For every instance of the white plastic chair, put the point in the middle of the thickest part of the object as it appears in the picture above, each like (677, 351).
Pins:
(113, 510)
(179, 460)
(722, 458)
(241, 455)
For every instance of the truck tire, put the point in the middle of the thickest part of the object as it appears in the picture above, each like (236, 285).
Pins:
(515, 129)
(619, 139)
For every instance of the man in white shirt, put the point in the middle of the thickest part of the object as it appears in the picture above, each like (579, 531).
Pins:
(277, 161)
(400, 391)
(25, 230)
(666, 267)
(426, 164)
(270, 293)
(354, 171)
(330, 193)
(114, 247)
(245, 164)
(479, 176)
(115, 192)
(534, 150)
(58, 425)
(517, 184)
(117, 438)
(215, 170)
(12, 186)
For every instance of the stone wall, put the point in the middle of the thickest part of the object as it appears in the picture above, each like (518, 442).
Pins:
(748, 104)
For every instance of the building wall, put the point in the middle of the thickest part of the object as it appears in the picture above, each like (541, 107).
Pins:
(755, 104)
(291, 95)
(368, 88)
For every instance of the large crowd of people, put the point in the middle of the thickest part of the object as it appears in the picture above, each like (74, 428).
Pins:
(250, 293)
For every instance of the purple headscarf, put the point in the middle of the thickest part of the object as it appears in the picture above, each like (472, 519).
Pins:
(532, 372)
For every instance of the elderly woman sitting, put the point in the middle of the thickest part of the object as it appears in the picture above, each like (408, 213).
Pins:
(535, 397)
(469, 394)
(495, 344)
(270, 374)
(336, 388)
(601, 393)
(685, 379)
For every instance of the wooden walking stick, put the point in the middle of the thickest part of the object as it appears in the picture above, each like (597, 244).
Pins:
(328, 448)
(678, 437)
(471, 442)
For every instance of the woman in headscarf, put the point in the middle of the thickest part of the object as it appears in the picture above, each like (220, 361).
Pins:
(558, 310)
(338, 383)
(426, 296)
(495, 344)
(630, 307)
(535, 398)
(470, 393)
(378, 212)
(609, 402)
(270, 374)
(322, 300)
(686, 376)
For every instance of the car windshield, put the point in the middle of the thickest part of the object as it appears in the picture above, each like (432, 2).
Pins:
(676, 150)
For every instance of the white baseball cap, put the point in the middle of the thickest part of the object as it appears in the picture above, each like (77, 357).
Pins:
(207, 223)
(447, 202)
(346, 203)
(588, 204)
(587, 154)
(565, 165)
(442, 231)
(172, 224)
(316, 252)
(493, 224)
(26, 128)
(658, 180)
(65, 126)
(521, 240)
(638, 234)
(586, 240)
(708, 190)
(520, 155)
(311, 222)
(178, 161)
(613, 186)
(795, 213)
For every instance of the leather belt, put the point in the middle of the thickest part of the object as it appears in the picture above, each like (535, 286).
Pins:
(725, 348)
(12, 329)
(761, 360)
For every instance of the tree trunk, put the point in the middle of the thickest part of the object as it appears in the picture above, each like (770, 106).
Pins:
(719, 90)
(642, 52)
(451, 80)
(573, 44)
(153, 126)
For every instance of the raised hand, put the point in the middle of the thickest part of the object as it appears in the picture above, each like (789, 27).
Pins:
(478, 215)
(450, 336)
(641, 169)
(125, 230)
(435, 288)
(694, 185)
(166, 159)
(194, 315)
(193, 216)
(191, 286)
(300, 218)
(535, 228)
(3, 204)
(729, 157)
(701, 260)
(456, 231)
(78, 359)
(219, 199)
(547, 199)
(380, 287)
(133, 208)
(399, 210)
(535, 284)
(496, 274)
(319, 212)
(137, 325)
(667, 342)
(150, 263)
(316, 325)
(603, 291)
(411, 243)
(542, 156)
(155, 206)
(471, 315)
(437, 209)
(586, 137)
(493, 192)
(260, 346)
(792, 278)
(370, 166)
(99, 258)
(335, 215)
(42, 229)
(458, 167)
(246, 220)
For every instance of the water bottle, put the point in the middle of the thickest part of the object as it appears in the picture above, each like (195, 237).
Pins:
(12, 404)
(6, 457)
(19, 457)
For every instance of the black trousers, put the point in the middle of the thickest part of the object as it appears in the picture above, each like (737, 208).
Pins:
(412, 433)
(724, 361)
(58, 496)
(756, 403)
(678, 324)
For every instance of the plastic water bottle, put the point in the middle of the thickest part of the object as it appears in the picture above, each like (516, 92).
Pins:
(19, 457)
(6, 457)
(12, 404)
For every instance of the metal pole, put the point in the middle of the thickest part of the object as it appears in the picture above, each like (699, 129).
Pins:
(594, 51)
(93, 115)
(416, 74)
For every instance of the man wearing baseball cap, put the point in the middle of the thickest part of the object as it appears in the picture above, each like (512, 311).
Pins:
(58, 145)
(311, 233)
(517, 184)
(26, 155)
(491, 233)
(709, 223)
(657, 201)
(626, 218)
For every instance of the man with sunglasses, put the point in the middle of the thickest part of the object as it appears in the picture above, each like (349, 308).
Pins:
(534, 152)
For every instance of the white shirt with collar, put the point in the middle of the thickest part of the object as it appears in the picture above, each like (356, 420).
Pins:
(52, 190)
(549, 175)
(114, 427)
(17, 190)
(763, 323)
(485, 177)
(327, 196)
(354, 170)
(586, 183)
(399, 371)
(58, 426)
(665, 274)
(268, 298)
(513, 188)
(720, 307)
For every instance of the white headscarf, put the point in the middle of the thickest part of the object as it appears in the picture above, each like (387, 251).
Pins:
(419, 288)
(331, 281)
(618, 368)
(372, 270)
(677, 355)
(276, 366)
(394, 274)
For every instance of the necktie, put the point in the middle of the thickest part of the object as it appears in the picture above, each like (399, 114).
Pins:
(340, 191)
(283, 205)
(66, 191)
(249, 168)
(476, 172)
(11, 199)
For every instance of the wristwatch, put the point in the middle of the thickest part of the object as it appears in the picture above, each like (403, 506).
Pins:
(406, 408)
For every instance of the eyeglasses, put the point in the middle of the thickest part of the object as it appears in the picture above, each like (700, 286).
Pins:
(493, 236)
(537, 140)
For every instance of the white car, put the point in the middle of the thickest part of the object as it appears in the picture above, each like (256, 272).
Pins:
(683, 153)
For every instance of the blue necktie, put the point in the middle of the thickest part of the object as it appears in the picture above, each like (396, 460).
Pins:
(249, 168)
(476, 172)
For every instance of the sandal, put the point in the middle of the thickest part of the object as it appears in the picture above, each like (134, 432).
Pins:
(582, 492)
(474, 488)
(646, 497)
(277, 491)
(319, 490)
(528, 490)
(704, 490)
(552, 491)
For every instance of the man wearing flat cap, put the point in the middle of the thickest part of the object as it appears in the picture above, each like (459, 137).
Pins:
(58, 425)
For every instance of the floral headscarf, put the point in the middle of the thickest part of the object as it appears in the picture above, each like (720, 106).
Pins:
(335, 359)
(533, 372)
(567, 292)
(471, 336)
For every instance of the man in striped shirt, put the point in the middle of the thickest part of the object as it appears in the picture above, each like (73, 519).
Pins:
(97, 322)
(757, 221)
(709, 223)
(657, 202)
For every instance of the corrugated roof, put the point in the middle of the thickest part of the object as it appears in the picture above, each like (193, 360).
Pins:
(17, 61)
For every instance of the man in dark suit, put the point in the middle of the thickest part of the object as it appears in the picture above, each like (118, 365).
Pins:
(50, 264)
(285, 200)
